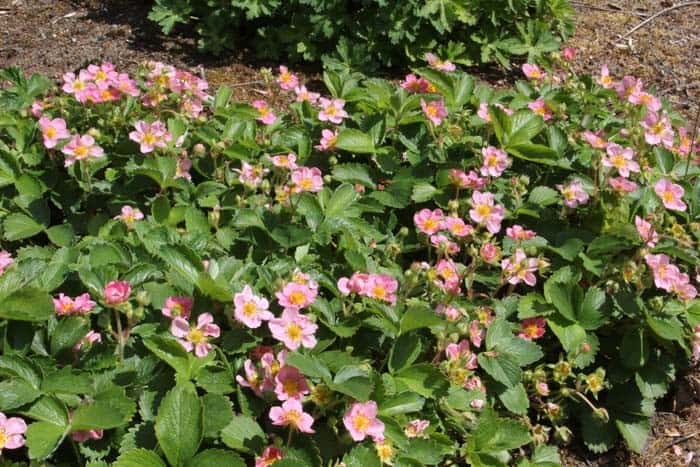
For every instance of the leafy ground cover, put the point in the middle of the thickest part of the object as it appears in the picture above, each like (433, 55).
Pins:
(426, 273)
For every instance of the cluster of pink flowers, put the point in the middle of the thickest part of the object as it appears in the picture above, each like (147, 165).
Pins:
(435, 62)
(435, 224)
(162, 79)
(195, 337)
(471, 179)
(668, 277)
(66, 306)
(251, 175)
(448, 277)
(378, 286)
(150, 136)
(519, 268)
(99, 83)
(519, 233)
(292, 328)
(574, 194)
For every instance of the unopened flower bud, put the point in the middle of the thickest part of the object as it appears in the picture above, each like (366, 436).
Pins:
(95, 133)
(403, 232)
(332, 160)
(199, 149)
(143, 298)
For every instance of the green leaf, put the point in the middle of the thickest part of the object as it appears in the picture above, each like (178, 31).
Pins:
(423, 192)
(179, 424)
(634, 350)
(27, 304)
(353, 173)
(170, 351)
(598, 436)
(15, 393)
(355, 141)
(502, 367)
(666, 328)
(49, 409)
(43, 438)
(405, 402)
(417, 317)
(590, 316)
(243, 434)
(424, 379)
(354, 381)
(341, 200)
(109, 409)
(635, 432)
(139, 458)
(404, 352)
(515, 399)
(216, 458)
(68, 331)
(361, 456)
(61, 235)
(218, 413)
(562, 297)
(543, 196)
(309, 365)
(18, 226)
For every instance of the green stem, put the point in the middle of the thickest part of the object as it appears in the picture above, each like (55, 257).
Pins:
(120, 336)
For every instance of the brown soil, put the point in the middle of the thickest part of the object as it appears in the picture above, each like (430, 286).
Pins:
(55, 36)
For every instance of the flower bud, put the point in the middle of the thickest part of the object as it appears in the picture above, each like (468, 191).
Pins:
(453, 205)
(199, 149)
(332, 160)
(215, 216)
(95, 133)
(327, 179)
(403, 232)
(563, 434)
(143, 298)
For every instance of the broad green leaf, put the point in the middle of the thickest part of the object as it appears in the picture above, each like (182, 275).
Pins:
(502, 367)
(361, 456)
(635, 432)
(404, 352)
(515, 399)
(18, 226)
(139, 458)
(179, 424)
(354, 381)
(243, 434)
(355, 141)
(424, 379)
(417, 317)
(15, 393)
(218, 413)
(109, 409)
(216, 458)
(27, 304)
(406, 402)
(353, 173)
(590, 315)
(68, 331)
(43, 438)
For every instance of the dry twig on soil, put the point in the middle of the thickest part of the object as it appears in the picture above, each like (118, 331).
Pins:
(656, 15)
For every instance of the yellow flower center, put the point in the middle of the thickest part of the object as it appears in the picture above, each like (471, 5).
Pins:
(294, 332)
(290, 386)
(531, 330)
(292, 417)
(297, 297)
(249, 309)
(3, 438)
(100, 76)
(360, 423)
(618, 161)
(78, 85)
(162, 80)
(658, 128)
(196, 336)
(668, 196)
(149, 138)
(431, 111)
(430, 224)
(81, 152)
(306, 184)
(483, 210)
(379, 291)
(331, 110)
(50, 132)
(492, 162)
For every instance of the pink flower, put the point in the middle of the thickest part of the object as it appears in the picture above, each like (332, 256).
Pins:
(495, 161)
(250, 309)
(542, 388)
(53, 131)
(102, 75)
(457, 227)
(621, 159)
(682, 288)
(265, 114)
(568, 54)
(412, 83)
(117, 292)
(253, 379)
(129, 215)
(532, 328)
(286, 79)
(477, 333)
(81, 148)
(628, 86)
(195, 337)
(150, 135)
(332, 110)
(444, 244)
(489, 252)
(434, 110)
(646, 231)
(328, 139)
(6, 260)
(87, 435)
(304, 95)
(483, 112)
(268, 457)
(355, 284)
(177, 307)
(541, 108)
(449, 276)
(361, 421)
(285, 162)
(251, 175)
(451, 312)
(622, 185)
(644, 98)
(435, 62)
(65, 306)
(485, 212)
(429, 222)
(292, 414)
(290, 384)
(595, 139)
(573, 193)
(77, 86)
(671, 194)
(518, 233)
(658, 129)
(11, 432)
(684, 141)
(182, 170)
(605, 80)
(665, 273)
(37, 108)
(296, 296)
(463, 180)
(519, 268)
(416, 428)
(307, 179)
(381, 287)
(533, 72)
(126, 85)
(87, 340)
(462, 354)
(293, 329)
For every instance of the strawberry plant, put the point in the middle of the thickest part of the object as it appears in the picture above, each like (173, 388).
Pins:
(430, 273)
